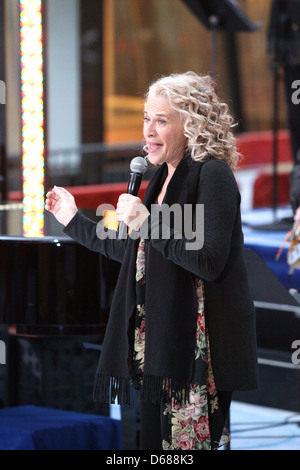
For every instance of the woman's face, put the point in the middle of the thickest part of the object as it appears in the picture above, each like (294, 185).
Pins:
(163, 132)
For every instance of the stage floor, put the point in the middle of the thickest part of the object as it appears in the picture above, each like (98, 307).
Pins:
(255, 427)
(262, 428)
(264, 233)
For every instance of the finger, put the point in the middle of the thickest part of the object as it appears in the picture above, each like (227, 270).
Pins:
(48, 205)
(125, 197)
(48, 202)
(61, 191)
(119, 212)
(121, 205)
(51, 195)
(54, 197)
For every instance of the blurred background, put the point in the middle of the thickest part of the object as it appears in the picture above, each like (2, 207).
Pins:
(98, 57)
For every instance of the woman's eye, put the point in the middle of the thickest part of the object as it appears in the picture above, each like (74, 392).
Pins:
(161, 122)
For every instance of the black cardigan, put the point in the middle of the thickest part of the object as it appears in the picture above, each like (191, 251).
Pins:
(170, 294)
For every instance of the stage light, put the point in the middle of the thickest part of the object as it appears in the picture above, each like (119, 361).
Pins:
(31, 48)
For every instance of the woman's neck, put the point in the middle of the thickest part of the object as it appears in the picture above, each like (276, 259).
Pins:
(171, 171)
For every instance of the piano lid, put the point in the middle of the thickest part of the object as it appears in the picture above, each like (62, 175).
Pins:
(51, 280)
(11, 222)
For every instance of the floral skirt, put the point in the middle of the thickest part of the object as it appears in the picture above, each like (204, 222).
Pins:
(199, 424)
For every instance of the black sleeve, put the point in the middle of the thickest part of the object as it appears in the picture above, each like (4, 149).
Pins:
(219, 195)
(95, 237)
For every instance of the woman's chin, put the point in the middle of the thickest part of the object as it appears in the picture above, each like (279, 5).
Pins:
(155, 159)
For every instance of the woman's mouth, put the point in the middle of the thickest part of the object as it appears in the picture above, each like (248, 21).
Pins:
(153, 147)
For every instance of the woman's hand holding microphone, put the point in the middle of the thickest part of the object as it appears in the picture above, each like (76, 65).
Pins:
(131, 211)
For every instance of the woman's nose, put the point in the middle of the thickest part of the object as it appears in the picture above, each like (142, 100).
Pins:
(150, 129)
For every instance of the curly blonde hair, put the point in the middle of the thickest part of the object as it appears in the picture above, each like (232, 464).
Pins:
(206, 120)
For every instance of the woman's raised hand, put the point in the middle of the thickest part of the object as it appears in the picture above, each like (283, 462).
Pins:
(62, 204)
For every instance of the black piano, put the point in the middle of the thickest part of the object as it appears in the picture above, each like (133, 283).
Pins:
(55, 297)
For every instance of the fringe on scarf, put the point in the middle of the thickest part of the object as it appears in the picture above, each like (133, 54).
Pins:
(165, 389)
(108, 389)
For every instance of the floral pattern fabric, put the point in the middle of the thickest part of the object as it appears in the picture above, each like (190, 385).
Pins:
(183, 426)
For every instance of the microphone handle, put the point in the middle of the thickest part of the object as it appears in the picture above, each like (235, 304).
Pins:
(122, 231)
(134, 183)
(133, 187)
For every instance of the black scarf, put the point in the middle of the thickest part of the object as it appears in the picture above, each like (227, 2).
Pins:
(171, 311)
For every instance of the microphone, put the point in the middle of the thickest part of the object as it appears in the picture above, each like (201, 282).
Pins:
(138, 166)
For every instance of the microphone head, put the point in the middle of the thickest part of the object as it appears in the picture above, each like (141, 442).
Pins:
(138, 165)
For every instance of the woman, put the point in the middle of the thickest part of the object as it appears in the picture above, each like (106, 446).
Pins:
(182, 323)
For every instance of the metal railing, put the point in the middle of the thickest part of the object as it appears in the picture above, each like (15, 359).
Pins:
(93, 163)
